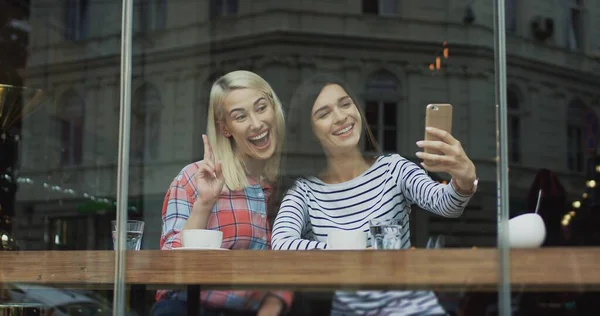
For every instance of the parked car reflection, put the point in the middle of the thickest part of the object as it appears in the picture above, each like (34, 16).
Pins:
(62, 301)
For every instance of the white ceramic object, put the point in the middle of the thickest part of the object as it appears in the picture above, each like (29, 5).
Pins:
(526, 231)
(201, 238)
(346, 240)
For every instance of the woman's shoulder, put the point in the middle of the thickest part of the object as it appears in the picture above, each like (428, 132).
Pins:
(390, 158)
(300, 185)
(396, 162)
(189, 169)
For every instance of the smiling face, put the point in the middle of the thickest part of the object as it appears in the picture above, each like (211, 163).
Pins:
(249, 118)
(336, 120)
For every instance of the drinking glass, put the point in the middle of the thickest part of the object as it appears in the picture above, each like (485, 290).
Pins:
(386, 234)
(436, 242)
(135, 232)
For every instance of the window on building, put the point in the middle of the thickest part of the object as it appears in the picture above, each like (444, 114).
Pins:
(220, 8)
(76, 19)
(68, 233)
(71, 110)
(379, 7)
(575, 25)
(515, 109)
(381, 106)
(145, 124)
(511, 16)
(149, 15)
(576, 113)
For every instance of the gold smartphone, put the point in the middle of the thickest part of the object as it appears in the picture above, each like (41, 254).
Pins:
(440, 117)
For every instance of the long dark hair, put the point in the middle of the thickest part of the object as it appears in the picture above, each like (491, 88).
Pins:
(299, 122)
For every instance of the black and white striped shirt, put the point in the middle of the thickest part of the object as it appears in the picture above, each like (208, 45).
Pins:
(386, 190)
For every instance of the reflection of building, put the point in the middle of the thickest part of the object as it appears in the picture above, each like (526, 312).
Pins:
(64, 301)
(382, 48)
(14, 38)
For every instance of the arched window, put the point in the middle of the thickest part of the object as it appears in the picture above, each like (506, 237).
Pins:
(381, 108)
(515, 110)
(145, 124)
(71, 110)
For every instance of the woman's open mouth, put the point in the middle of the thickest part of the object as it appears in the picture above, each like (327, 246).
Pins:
(262, 140)
(344, 131)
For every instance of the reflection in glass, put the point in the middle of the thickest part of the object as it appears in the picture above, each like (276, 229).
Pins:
(575, 24)
(69, 233)
(515, 114)
(77, 19)
(577, 114)
(381, 102)
(70, 117)
(15, 103)
(145, 124)
(222, 8)
(149, 16)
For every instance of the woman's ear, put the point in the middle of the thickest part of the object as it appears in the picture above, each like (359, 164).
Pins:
(224, 130)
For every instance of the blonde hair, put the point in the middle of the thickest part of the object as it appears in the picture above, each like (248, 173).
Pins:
(224, 147)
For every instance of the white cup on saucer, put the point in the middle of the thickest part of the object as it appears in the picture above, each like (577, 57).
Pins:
(526, 231)
(346, 239)
(201, 238)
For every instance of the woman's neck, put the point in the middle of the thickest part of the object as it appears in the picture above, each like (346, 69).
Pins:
(254, 167)
(344, 167)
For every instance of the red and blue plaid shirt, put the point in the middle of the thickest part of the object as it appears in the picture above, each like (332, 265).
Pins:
(240, 215)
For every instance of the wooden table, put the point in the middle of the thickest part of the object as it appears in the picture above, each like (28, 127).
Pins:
(559, 269)
(547, 269)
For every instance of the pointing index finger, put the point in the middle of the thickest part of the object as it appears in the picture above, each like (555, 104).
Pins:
(208, 153)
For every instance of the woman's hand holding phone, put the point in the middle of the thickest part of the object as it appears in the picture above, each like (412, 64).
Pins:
(442, 152)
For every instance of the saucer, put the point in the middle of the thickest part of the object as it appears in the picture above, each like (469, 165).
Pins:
(198, 248)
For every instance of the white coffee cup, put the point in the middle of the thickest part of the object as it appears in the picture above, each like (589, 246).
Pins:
(201, 238)
(526, 231)
(346, 239)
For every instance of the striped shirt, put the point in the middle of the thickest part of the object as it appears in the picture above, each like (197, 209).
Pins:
(240, 215)
(384, 191)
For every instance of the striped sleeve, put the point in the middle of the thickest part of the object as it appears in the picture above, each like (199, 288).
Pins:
(420, 189)
(291, 223)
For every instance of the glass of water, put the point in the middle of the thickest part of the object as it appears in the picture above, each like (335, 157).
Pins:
(436, 242)
(386, 234)
(135, 232)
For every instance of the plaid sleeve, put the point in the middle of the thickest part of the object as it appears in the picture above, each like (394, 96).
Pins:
(176, 208)
(173, 219)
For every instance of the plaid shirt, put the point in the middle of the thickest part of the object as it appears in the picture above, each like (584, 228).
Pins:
(240, 215)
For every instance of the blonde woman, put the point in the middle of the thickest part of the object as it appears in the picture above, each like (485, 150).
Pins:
(242, 154)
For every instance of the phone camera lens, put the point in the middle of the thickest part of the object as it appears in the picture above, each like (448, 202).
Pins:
(435, 108)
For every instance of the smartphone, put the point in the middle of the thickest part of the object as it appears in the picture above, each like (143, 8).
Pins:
(440, 117)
